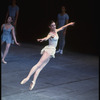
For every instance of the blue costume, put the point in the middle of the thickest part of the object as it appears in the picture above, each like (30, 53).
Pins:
(61, 22)
(12, 11)
(6, 35)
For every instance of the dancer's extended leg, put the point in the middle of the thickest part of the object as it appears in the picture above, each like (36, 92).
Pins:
(6, 52)
(37, 72)
(42, 60)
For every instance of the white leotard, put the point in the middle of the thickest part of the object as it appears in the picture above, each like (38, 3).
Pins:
(53, 40)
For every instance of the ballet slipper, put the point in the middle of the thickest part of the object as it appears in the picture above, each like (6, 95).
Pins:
(32, 85)
(4, 61)
(24, 81)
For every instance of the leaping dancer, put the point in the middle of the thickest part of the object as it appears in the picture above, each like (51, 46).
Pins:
(47, 52)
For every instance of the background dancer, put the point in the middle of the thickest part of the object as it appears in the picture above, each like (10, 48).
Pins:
(8, 33)
(62, 19)
(13, 11)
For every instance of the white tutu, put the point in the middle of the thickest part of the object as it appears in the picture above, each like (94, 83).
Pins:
(50, 50)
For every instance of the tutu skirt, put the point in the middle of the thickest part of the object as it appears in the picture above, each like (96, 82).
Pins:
(50, 50)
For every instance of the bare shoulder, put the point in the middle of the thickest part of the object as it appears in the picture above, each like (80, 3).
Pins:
(2, 25)
(57, 30)
(51, 34)
(66, 13)
(12, 27)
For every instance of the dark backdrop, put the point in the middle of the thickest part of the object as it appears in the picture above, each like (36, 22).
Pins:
(35, 15)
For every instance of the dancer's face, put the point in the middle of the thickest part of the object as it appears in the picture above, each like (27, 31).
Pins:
(52, 26)
(63, 9)
(13, 1)
(9, 20)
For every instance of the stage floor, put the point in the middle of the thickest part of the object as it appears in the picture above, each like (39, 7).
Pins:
(71, 76)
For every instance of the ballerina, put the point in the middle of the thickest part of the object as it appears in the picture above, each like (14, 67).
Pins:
(47, 52)
(7, 35)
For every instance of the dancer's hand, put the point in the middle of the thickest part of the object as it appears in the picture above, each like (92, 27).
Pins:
(17, 43)
(40, 40)
(71, 23)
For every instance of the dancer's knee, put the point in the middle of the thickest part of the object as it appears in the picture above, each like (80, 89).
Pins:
(7, 48)
(38, 65)
(38, 71)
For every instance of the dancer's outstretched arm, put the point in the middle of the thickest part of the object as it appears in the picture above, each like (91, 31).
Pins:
(63, 27)
(45, 38)
(14, 36)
